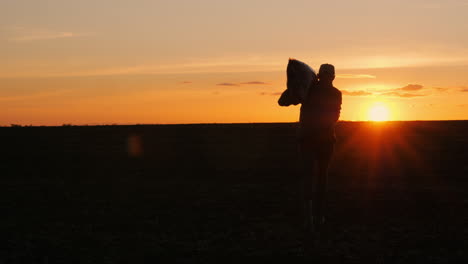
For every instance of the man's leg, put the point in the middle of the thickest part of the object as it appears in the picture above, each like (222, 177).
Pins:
(309, 182)
(323, 162)
(309, 178)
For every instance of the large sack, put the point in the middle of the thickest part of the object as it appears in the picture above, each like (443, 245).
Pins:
(299, 79)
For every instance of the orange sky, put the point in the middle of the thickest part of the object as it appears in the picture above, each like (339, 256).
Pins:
(116, 62)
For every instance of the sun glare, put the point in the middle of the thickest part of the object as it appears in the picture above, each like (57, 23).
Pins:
(379, 112)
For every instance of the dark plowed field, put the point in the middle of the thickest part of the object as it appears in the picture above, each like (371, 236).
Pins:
(398, 193)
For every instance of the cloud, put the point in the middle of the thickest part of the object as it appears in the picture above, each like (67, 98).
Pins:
(411, 87)
(404, 95)
(441, 89)
(464, 89)
(201, 66)
(227, 84)
(404, 92)
(456, 88)
(186, 82)
(254, 82)
(23, 34)
(242, 83)
(355, 93)
(273, 93)
(355, 76)
(57, 35)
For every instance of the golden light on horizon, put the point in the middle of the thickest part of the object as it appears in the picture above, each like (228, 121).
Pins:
(379, 112)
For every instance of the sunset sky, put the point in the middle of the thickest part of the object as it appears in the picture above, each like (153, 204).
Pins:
(219, 61)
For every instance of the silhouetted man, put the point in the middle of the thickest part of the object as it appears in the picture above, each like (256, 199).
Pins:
(319, 114)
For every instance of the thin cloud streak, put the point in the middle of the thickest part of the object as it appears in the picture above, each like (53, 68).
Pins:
(23, 34)
(404, 95)
(404, 92)
(233, 65)
(191, 68)
(255, 82)
(456, 88)
(58, 35)
(402, 61)
(355, 76)
(355, 93)
(411, 87)
(227, 84)
(272, 94)
(243, 83)
(441, 89)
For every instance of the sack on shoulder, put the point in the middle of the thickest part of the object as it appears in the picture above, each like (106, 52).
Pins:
(299, 78)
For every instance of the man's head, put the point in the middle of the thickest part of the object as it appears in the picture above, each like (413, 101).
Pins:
(326, 72)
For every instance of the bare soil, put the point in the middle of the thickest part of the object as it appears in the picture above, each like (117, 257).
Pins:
(398, 193)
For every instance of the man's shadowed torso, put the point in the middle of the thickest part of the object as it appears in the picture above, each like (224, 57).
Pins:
(320, 112)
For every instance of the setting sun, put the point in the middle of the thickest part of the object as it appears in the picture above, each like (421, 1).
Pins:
(379, 112)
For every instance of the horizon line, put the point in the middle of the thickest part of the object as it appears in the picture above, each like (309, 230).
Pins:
(227, 123)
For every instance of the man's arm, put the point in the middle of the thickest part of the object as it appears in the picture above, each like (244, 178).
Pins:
(331, 112)
(337, 108)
